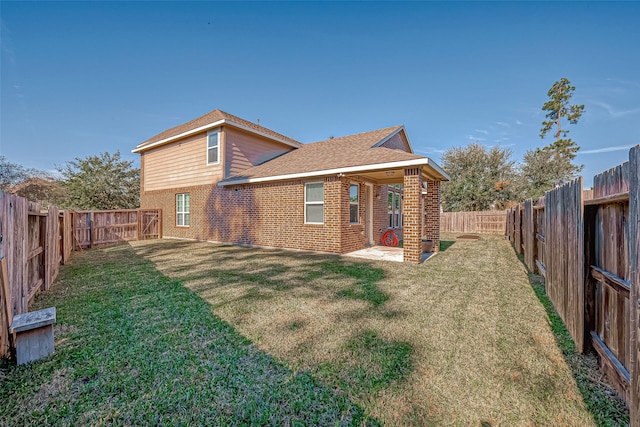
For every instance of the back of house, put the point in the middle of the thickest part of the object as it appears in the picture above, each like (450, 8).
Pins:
(225, 179)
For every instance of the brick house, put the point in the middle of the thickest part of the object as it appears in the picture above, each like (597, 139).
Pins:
(225, 179)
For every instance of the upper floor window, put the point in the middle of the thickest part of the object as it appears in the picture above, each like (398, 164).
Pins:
(213, 148)
(354, 203)
(314, 203)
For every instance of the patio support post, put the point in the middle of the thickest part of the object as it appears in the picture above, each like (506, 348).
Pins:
(432, 213)
(413, 215)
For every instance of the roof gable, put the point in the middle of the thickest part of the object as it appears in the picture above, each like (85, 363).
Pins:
(397, 141)
(207, 121)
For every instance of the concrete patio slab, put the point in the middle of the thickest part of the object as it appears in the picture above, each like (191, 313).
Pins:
(384, 253)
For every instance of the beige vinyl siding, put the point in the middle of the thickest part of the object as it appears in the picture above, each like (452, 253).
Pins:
(243, 150)
(397, 142)
(181, 164)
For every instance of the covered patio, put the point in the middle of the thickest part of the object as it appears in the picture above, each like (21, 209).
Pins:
(420, 209)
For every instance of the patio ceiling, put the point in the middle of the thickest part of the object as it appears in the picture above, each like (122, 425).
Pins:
(391, 176)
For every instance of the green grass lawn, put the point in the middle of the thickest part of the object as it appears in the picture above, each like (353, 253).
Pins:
(174, 332)
(134, 347)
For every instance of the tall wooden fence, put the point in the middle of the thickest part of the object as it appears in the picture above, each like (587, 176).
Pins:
(586, 244)
(33, 244)
(31, 250)
(93, 229)
(492, 222)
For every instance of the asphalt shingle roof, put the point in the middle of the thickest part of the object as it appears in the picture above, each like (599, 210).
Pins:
(346, 151)
(212, 117)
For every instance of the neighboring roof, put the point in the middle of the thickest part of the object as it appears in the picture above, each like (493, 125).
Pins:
(33, 181)
(209, 120)
(349, 154)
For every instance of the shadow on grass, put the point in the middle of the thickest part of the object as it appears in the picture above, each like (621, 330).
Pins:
(365, 277)
(604, 404)
(139, 348)
(268, 275)
(386, 362)
(446, 244)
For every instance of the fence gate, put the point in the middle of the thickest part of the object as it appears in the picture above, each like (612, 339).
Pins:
(149, 224)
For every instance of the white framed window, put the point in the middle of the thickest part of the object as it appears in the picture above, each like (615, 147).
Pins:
(314, 203)
(398, 210)
(395, 207)
(390, 208)
(182, 210)
(213, 148)
(354, 204)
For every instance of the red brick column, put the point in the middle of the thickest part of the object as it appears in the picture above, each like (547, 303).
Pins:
(413, 215)
(432, 213)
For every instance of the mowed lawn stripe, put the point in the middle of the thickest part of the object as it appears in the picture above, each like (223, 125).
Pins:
(459, 340)
(134, 347)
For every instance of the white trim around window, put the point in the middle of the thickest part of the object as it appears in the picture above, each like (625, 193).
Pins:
(314, 202)
(354, 204)
(183, 215)
(213, 148)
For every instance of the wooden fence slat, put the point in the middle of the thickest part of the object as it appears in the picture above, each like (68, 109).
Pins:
(564, 262)
(633, 174)
(6, 310)
(528, 234)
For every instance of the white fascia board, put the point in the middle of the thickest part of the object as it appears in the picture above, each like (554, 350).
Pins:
(209, 126)
(438, 169)
(351, 169)
(180, 135)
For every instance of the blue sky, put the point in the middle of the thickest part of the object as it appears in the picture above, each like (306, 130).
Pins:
(80, 78)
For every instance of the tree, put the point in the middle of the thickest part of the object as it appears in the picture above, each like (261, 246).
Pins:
(11, 174)
(541, 170)
(558, 107)
(100, 182)
(481, 179)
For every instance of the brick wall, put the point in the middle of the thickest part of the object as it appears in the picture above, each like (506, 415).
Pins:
(270, 214)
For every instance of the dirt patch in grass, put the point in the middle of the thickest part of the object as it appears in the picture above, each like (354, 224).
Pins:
(459, 340)
(468, 237)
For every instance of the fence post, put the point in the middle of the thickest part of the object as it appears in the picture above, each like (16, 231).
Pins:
(529, 235)
(91, 229)
(634, 269)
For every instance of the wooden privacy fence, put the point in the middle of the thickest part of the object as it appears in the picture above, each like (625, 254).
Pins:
(32, 246)
(492, 222)
(92, 229)
(34, 243)
(586, 244)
